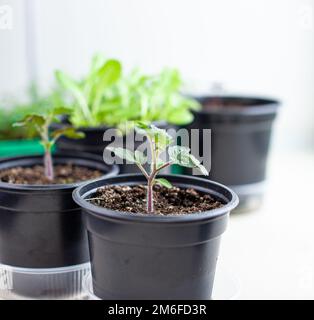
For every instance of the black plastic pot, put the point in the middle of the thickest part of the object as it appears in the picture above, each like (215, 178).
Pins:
(94, 143)
(136, 256)
(40, 225)
(91, 143)
(240, 136)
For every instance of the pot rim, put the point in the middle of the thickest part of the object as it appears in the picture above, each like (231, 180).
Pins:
(113, 170)
(268, 106)
(104, 213)
(102, 127)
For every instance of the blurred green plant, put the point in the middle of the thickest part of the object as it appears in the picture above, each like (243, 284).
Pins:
(149, 98)
(89, 107)
(106, 97)
(12, 111)
(41, 123)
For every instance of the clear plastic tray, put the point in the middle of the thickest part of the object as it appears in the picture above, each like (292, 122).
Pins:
(250, 196)
(43, 284)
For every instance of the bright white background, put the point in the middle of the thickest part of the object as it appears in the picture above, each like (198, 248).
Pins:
(261, 47)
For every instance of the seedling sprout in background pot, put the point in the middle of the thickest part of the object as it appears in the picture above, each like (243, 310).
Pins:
(159, 140)
(41, 123)
(13, 109)
(22, 140)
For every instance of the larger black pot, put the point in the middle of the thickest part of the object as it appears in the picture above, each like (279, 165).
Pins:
(136, 256)
(240, 136)
(40, 225)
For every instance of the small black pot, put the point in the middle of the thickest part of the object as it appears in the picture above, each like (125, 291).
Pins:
(240, 135)
(137, 256)
(40, 225)
(93, 142)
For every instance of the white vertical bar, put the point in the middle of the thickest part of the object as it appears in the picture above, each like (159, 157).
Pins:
(30, 41)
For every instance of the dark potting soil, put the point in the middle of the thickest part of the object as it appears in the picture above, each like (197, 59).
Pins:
(166, 201)
(64, 174)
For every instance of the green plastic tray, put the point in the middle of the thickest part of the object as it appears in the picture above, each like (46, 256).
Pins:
(20, 148)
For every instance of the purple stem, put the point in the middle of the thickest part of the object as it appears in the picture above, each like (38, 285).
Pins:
(48, 165)
(150, 197)
(150, 184)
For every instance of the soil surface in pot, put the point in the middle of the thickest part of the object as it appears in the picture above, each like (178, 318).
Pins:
(217, 103)
(166, 201)
(64, 174)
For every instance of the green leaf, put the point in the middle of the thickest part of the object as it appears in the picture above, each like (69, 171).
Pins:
(59, 111)
(68, 132)
(109, 73)
(140, 157)
(97, 61)
(181, 155)
(180, 117)
(123, 154)
(159, 136)
(164, 182)
(32, 119)
(69, 84)
(160, 163)
(142, 125)
(197, 164)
